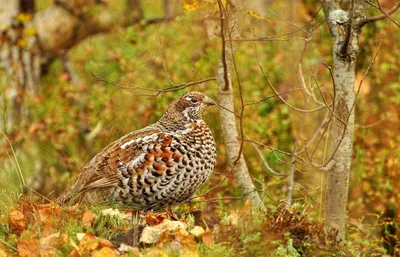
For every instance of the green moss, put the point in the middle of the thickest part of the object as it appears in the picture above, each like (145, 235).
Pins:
(216, 250)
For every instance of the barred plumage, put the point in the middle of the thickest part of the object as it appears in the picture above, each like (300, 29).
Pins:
(157, 166)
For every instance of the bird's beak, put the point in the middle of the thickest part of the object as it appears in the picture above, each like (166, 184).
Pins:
(208, 101)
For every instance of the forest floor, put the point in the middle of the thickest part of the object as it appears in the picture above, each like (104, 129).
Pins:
(30, 229)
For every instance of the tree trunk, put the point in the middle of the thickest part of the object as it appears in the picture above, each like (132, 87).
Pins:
(345, 29)
(20, 57)
(134, 11)
(56, 29)
(338, 177)
(228, 122)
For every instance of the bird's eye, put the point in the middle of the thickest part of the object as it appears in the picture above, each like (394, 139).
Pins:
(192, 99)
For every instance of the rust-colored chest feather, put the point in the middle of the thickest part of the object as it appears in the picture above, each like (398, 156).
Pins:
(159, 165)
(151, 168)
(169, 168)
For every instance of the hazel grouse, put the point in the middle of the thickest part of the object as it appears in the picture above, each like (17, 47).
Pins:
(154, 167)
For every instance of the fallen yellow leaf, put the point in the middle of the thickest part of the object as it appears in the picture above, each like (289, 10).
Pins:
(255, 15)
(28, 248)
(105, 252)
(197, 231)
(208, 238)
(192, 5)
(17, 221)
(88, 243)
(88, 218)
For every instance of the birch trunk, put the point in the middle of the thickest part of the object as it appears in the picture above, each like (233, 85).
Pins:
(228, 121)
(342, 130)
(55, 29)
(20, 57)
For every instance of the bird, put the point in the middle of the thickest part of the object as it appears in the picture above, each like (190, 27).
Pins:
(155, 167)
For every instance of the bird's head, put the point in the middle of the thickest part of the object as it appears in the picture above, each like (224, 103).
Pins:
(187, 108)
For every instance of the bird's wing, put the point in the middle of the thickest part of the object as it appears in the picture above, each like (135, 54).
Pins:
(101, 171)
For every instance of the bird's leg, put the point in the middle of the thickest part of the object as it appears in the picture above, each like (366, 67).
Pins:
(169, 211)
(135, 222)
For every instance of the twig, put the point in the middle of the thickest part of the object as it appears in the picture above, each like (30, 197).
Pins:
(343, 52)
(272, 96)
(217, 199)
(226, 109)
(156, 91)
(166, 71)
(21, 176)
(321, 127)
(277, 94)
(325, 103)
(217, 186)
(157, 20)
(370, 125)
(6, 243)
(325, 130)
(267, 167)
(386, 14)
(276, 38)
(223, 54)
(275, 150)
(351, 110)
(19, 170)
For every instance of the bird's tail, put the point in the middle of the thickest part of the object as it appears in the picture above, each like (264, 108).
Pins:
(64, 198)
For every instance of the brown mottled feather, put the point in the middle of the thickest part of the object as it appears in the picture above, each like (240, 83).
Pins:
(100, 171)
(162, 164)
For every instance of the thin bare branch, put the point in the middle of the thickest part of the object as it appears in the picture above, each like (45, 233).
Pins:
(275, 151)
(216, 199)
(370, 125)
(226, 109)
(156, 91)
(386, 14)
(289, 194)
(241, 98)
(325, 103)
(343, 52)
(217, 186)
(267, 167)
(223, 18)
(276, 92)
(327, 162)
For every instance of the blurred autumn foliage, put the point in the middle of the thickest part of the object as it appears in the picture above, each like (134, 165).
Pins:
(74, 117)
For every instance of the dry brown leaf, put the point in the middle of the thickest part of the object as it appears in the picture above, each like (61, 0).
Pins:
(246, 206)
(172, 225)
(48, 210)
(197, 231)
(105, 243)
(28, 248)
(189, 246)
(255, 15)
(17, 221)
(47, 251)
(193, 5)
(80, 236)
(88, 218)
(208, 238)
(75, 253)
(105, 252)
(151, 235)
(88, 243)
(154, 219)
(51, 240)
(116, 213)
(4, 252)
